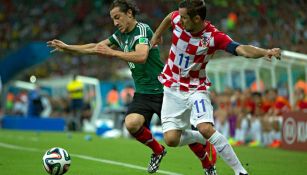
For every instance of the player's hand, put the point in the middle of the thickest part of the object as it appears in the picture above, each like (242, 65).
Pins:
(155, 40)
(57, 45)
(104, 49)
(275, 52)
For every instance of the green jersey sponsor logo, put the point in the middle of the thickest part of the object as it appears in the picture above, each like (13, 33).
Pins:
(143, 41)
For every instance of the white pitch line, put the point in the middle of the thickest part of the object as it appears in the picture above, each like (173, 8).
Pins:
(121, 164)
(10, 146)
(5, 145)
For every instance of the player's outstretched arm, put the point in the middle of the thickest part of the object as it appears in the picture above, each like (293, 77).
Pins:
(59, 45)
(250, 51)
(157, 36)
(138, 56)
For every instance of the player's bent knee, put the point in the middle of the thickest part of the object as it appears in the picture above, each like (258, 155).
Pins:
(206, 130)
(133, 123)
(171, 140)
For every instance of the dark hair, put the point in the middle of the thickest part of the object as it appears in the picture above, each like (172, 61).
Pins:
(125, 5)
(194, 7)
(256, 94)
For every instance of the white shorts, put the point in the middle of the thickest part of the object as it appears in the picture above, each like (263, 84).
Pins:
(181, 109)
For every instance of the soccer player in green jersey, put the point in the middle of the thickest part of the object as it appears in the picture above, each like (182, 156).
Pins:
(132, 40)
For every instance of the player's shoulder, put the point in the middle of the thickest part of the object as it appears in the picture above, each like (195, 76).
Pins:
(175, 13)
(209, 27)
(117, 33)
(142, 26)
(175, 16)
(143, 29)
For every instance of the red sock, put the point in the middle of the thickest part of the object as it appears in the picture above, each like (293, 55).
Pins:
(200, 152)
(144, 136)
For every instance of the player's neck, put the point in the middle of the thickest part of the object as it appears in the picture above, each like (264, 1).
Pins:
(198, 30)
(131, 26)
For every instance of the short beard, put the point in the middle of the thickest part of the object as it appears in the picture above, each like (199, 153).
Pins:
(189, 30)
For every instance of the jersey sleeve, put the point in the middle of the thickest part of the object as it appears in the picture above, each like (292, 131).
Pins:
(144, 34)
(222, 41)
(175, 18)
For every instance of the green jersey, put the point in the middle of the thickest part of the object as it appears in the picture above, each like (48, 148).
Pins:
(145, 75)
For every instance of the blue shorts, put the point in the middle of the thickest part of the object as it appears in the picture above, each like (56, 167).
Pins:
(76, 104)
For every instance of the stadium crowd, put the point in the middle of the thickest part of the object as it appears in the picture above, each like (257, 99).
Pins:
(246, 116)
(254, 118)
(264, 23)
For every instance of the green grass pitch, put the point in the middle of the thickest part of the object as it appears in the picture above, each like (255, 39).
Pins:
(21, 154)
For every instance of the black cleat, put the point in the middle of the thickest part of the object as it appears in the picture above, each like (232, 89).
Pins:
(211, 171)
(155, 162)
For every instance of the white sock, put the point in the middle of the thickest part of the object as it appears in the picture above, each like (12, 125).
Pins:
(265, 138)
(256, 130)
(226, 152)
(277, 135)
(237, 134)
(272, 136)
(190, 136)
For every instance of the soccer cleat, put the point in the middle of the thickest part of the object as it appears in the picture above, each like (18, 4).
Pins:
(211, 152)
(155, 161)
(243, 174)
(275, 144)
(254, 144)
(211, 171)
(211, 157)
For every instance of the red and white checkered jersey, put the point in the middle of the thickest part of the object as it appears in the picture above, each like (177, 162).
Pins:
(185, 69)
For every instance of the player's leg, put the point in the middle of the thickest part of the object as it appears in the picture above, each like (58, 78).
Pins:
(222, 146)
(137, 123)
(255, 131)
(202, 117)
(175, 117)
(154, 102)
(206, 154)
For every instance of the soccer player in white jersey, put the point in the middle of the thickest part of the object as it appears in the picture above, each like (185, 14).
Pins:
(186, 97)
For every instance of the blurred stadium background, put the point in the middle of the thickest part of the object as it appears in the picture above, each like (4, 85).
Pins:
(257, 103)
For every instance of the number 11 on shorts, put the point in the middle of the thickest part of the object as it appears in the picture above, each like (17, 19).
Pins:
(201, 104)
